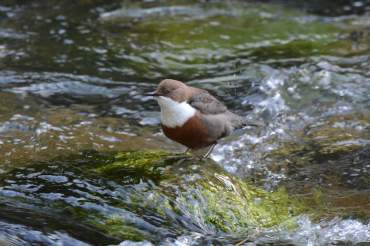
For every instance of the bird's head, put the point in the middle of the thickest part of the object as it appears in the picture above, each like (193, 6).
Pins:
(173, 89)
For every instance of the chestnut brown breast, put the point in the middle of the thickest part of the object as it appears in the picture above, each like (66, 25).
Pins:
(193, 134)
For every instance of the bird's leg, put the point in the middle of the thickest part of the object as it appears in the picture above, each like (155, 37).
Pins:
(209, 151)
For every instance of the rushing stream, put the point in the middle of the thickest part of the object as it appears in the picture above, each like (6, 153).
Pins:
(82, 157)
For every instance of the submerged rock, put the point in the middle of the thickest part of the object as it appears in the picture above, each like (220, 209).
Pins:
(144, 195)
(330, 160)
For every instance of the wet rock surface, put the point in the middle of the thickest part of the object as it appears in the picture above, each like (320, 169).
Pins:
(82, 159)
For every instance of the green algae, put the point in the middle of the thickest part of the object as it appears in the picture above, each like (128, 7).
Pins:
(112, 225)
(117, 228)
(243, 28)
(233, 206)
(179, 45)
(138, 160)
(146, 164)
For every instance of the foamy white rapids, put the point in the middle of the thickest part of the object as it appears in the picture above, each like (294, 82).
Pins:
(308, 233)
(330, 232)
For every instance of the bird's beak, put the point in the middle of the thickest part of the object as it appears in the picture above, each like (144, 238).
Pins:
(153, 93)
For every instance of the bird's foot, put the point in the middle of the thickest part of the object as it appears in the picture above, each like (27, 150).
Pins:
(206, 155)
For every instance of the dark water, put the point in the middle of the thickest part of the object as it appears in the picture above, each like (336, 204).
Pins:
(79, 139)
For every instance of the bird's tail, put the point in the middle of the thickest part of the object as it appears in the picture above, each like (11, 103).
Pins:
(241, 122)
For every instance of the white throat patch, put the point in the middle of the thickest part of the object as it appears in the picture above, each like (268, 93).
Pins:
(174, 114)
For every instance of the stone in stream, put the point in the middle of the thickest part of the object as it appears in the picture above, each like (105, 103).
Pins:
(141, 195)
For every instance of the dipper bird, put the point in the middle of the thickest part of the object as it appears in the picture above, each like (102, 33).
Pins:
(192, 116)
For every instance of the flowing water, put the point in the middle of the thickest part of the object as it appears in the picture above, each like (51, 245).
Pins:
(82, 157)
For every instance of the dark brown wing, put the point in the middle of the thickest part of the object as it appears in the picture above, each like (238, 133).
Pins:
(207, 104)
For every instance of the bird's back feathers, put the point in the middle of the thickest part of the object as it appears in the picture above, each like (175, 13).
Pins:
(207, 104)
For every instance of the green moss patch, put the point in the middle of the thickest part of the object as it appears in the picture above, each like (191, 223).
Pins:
(232, 206)
(135, 163)
(117, 228)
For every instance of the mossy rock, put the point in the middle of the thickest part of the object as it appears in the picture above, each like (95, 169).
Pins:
(117, 228)
(236, 207)
(329, 160)
(146, 163)
(204, 193)
(333, 137)
(187, 195)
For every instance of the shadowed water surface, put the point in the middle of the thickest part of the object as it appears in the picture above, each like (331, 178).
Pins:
(81, 153)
